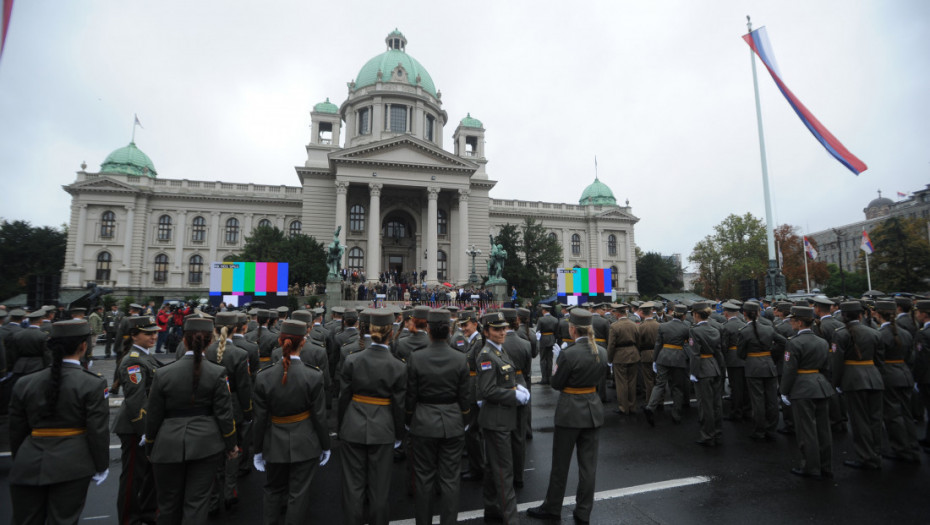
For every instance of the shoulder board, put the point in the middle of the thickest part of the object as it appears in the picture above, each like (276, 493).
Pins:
(133, 354)
(95, 374)
(313, 367)
(262, 369)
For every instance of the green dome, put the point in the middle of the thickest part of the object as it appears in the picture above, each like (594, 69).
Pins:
(129, 160)
(387, 61)
(471, 122)
(326, 107)
(597, 193)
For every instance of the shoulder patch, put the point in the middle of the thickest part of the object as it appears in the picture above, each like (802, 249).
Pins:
(486, 365)
(133, 354)
(787, 356)
(833, 348)
(135, 374)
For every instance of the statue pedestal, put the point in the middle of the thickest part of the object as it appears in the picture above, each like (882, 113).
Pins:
(500, 290)
(334, 295)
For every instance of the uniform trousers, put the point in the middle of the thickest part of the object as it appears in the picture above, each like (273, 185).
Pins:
(136, 499)
(812, 430)
(436, 463)
(473, 444)
(287, 485)
(787, 413)
(564, 441)
(518, 444)
(924, 394)
(865, 415)
(625, 383)
(59, 503)
(245, 437)
(227, 470)
(110, 339)
(648, 378)
(763, 397)
(709, 392)
(184, 490)
(545, 364)
(896, 411)
(675, 379)
(739, 404)
(499, 497)
(366, 483)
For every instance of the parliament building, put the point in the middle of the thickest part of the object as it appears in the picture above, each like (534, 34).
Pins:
(376, 168)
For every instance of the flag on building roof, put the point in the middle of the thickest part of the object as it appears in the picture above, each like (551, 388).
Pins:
(809, 248)
(866, 245)
(759, 42)
(5, 21)
(902, 194)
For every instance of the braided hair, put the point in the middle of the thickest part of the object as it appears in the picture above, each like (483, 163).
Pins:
(289, 345)
(889, 317)
(588, 331)
(59, 347)
(849, 317)
(221, 342)
(753, 316)
(196, 341)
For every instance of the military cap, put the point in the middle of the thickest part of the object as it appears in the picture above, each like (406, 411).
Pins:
(18, 312)
(78, 310)
(923, 305)
(3, 313)
(143, 323)
(437, 316)
(688, 302)
(681, 309)
(730, 306)
(509, 313)
(700, 305)
(318, 311)
(198, 324)
(364, 316)
(253, 311)
(468, 315)
(837, 299)
(339, 310)
(294, 327)
(226, 319)
(751, 306)
(800, 302)
(885, 306)
(545, 306)
(580, 317)
(384, 317)
(264, 315)
(903, 301)
(851, 306)
(282, 310)
(783, 306)
(495, 320)
(421, 312)
(820, 299)
(523, 313)
(406, 313)
(242, 318)
(801, 312)
(136, 306)
(36, 314)
(636, 303)
(70, 328)
(350, 315)
(452, 309)
(304, 316)
(648, 304)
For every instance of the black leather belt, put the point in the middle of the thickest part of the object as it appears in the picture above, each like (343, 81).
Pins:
(189, 412)
(437, 400)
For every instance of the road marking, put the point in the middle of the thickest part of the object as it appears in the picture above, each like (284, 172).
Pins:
(598, 496)
(8, 454)
(97, 517)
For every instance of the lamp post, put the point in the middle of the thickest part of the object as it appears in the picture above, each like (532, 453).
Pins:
(839, 244)
(473, 251)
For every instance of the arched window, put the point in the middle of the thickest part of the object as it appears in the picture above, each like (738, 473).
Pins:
(395, 229)
(294, 228)
(161, 268)
(104, 262)
(553, 236)
(442, 223)
(357, 218)
(442, 265)
(614, 276)
(356, 259)
(612, 245)
(164, 228)
(576, 244)
(195, 270)
(107, 224)
(232, 230)
(264, 223)
(198, 229)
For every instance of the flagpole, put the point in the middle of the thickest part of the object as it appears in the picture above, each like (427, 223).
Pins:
(807, 276)
(868, 276)
(771, 282)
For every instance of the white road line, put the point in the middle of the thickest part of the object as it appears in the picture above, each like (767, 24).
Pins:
(598, 496)
(97, 517)
(8, 454)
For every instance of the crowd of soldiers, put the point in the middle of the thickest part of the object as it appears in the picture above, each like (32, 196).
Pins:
(446, 390)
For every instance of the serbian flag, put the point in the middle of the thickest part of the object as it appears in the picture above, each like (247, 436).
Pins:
(901, 194)
(758, 40)
(866, 245)
(809, 248)
(5, 21)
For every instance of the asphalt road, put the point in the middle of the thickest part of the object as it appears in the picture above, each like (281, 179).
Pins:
(645, 476)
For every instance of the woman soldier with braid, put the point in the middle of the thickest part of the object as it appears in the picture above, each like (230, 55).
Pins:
(289, 436)
(756, 345)
(236, 362)
(189, 425)
(891, 358)
(59, 433)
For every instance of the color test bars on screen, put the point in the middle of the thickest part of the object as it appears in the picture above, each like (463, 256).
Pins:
(248, 278)
(584, 281)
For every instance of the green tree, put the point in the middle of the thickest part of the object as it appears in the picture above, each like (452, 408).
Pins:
(901, 262)
(737, 250)
(856, 282)
(509, 239)
(305, 256)
(792, 264)
(656, 274)
(531, 257)
(27, 250)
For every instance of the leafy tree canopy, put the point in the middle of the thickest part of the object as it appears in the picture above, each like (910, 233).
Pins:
(901, 262)
(737, 250)
(532, 256)
(656, 274)
(305, 256)
(27, 250)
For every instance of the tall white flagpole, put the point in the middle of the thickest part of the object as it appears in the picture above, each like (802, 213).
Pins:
(868, 276)
(807, 277)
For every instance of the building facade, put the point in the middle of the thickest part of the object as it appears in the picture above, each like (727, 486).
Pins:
(376, 171)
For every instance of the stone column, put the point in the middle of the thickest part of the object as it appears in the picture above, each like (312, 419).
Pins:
(180, 232)
(566, 248)
(374, 232)
(464, 269)
(127, 239)
(432, 240)
(79, 238)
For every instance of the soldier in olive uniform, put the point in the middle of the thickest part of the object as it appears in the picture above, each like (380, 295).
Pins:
(546, 327)
(468, 321)
(579, 415)
(527, 333)
(59, 435)
(111, 321)
(921, 363)
(499, 396)
(860, 381)
(437, 405)
(646, 335)
(671, 365)
(418, 339)
(7, 331)
(783, 327)
(136, 501)
(891, 359)
(736, 367)
(188, 426)
(756, 344)
(805, 388)
(520, 354)
(28, 348)
(624, 356)
(707, 365)
(371, 424)
(290, 435)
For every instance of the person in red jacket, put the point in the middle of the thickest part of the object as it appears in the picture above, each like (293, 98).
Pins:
(162, 319)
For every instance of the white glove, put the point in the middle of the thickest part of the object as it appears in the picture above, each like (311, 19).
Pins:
(556, 350)
(655, 368)
(90, 364)
(916, 388)
(784, 399)
(523, 395)
(100, 476)
(142, 441)
(839, 390)
(466, 427)
(480, 403)
(324, 457)
(397, 443)
(611, 366)
(407, 428)
(564, 345)
(259, 462)
(693, 379)
(538, 336)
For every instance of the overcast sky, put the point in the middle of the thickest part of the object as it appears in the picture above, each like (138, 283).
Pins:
(660, 92)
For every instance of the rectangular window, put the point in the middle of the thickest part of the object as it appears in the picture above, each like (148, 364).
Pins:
(364, 117)
(429, 127)
(398, 118)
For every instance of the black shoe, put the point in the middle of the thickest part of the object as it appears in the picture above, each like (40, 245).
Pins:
(798, 472)
(619, 412)
(786, 431)
(852, 463)
(711, 443)
(517, 484)
(469, 476)
(529, 436)
(902, 459)
(540, 514)
(579, 520)
(492, 518)
(650, 418)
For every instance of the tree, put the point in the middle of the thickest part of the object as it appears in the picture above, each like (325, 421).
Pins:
(656, 274)
(531, 257)
(901, 262)
(791, 246)
(736, 251)
(26, 250)
(856, 282)
(305, 256)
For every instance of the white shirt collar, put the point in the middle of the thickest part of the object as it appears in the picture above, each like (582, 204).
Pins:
(189, 352)
(886, 323)
(495, 345)
(72, 361)
(473, 336)
(803, 330)
(380, 345)
(293, 357)
(144, 350)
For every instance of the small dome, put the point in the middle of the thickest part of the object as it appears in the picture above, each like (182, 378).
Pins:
(471, 122)
(880, 202)
(326, 107)
(129, 160)
(597, 193)
(387, 62)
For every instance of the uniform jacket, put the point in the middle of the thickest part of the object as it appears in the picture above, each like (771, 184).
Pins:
(648, 332)
(313, 354)
(807, 367)
(893, 355)
(236, 363)
(471, 356)
(730, 341)
(437, 391)
(520, 355)
(528, 334)
(621, 344)
(403, 348)
(922, 355)
(82, 404)
(497, 381)
(456, 340)
(290, 442)
(184, 425)
(372, 373)
(755, 339)
(252, 350)
(547, 326)
(671, 344)
(579, 367)
(856, 347)
(136, 372)
(28, 351)
(601, 328)
(704, 346)
(562, 334)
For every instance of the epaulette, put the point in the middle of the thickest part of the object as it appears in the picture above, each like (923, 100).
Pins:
(313, 367)
(134, 354)
(266, 367)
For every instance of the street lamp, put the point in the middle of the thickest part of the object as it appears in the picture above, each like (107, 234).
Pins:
(839, 244)
(473, 252)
